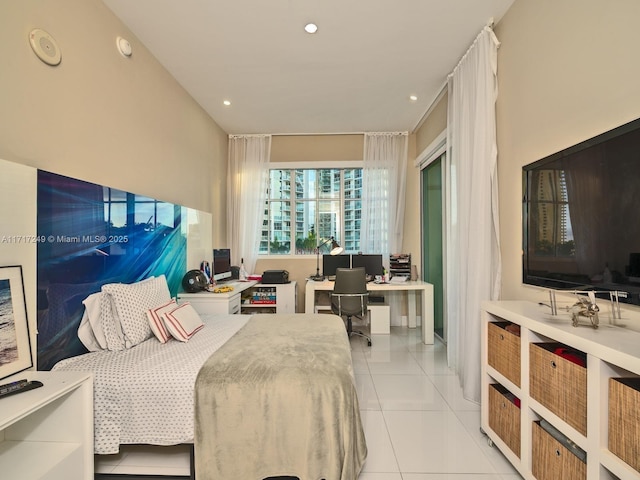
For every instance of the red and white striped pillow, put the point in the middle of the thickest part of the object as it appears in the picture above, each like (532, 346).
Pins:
(156, 320)
(183, 322)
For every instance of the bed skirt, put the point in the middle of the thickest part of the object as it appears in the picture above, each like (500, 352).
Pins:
(278, 399)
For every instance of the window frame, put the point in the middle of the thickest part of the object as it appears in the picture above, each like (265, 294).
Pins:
(335, 164)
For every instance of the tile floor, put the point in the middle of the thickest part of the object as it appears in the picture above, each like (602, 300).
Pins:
(417, 425)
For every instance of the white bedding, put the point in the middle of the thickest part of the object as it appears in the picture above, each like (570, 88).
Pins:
(144, 395)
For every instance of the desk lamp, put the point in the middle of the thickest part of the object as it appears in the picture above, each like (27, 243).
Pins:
(335, 250)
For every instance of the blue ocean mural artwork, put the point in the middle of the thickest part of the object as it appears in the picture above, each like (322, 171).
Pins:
(90, 235)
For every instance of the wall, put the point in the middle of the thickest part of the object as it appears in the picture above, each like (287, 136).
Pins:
(17, 228)
(316, 148)
(567, 70)
(101, 117)
(434, 123)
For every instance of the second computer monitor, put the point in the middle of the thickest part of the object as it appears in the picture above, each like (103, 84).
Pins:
(371, 263)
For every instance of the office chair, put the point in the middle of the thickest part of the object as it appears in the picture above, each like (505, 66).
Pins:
(349, 297)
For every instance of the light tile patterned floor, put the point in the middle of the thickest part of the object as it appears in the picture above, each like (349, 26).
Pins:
(417, 424)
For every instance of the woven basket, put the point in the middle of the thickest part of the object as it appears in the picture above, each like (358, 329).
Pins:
(504, 418)
(558, 384)
(624, 419)
(504, 351)
(553, 461)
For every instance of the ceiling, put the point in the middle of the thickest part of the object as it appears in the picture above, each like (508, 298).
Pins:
(355, 74)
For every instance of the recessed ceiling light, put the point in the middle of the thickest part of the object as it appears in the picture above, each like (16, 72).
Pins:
(311, 28)
(413, 98)
(226, 103)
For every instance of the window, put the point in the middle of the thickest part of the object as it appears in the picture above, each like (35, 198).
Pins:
(305, 207)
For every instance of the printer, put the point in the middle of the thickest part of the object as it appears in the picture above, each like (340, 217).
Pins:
(275, 276)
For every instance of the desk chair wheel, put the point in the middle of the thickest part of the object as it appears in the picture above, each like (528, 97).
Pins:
(351, 332)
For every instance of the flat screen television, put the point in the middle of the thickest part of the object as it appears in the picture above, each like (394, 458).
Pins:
(581, 229)
(221, 264)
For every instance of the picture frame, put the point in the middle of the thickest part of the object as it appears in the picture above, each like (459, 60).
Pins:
(15, 341)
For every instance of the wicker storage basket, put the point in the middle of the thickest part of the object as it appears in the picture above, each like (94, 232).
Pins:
(553, 461)
(504, 351)
(624, 419)
(504, 418)
(558, 384)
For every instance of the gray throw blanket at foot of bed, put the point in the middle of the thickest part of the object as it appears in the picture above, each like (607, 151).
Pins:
(278, 399)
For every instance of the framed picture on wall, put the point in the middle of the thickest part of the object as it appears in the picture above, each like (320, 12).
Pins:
(15, 344)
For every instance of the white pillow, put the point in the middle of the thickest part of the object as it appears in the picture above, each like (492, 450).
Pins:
(156, 320)
(131, 302)
(183, 322)
(86, 335)
(93, 314)
(110, 324)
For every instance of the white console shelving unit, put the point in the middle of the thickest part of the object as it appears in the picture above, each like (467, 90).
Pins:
(284, 296)
(611, 352)
(235, 301)
(48, 432)
(212, 303)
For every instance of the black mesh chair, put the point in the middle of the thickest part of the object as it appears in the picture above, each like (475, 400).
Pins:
(349, 297)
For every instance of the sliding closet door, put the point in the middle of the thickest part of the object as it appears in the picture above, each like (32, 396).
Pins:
(432, 236)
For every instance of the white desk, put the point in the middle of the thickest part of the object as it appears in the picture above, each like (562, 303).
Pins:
(232, 302)
(411, 287)
(209, 302)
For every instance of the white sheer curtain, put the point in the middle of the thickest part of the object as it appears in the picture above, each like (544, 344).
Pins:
(383, 191)
(247, 181)
(473, 253)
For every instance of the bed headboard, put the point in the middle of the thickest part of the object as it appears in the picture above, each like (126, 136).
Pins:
(92, 235)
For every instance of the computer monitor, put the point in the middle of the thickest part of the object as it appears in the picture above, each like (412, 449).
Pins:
(371, 263)
(221, 264)
(331, 262)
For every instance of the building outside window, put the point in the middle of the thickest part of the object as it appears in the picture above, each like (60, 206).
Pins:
(122, 209)
(553, 235)
(305, 207)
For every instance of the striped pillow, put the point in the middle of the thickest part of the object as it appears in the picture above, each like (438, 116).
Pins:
(156, 320)
(183, 322)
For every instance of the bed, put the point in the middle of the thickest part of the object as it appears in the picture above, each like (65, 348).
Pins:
(144, 395)
(276, 389)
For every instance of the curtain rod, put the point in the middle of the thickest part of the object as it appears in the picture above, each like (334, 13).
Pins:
(488, 28)
(280, 134)
(238, 135)
(342, 133)
(315, 134)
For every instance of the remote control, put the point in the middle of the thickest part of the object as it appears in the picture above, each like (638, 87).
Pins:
(18, 387)
(12, 387)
